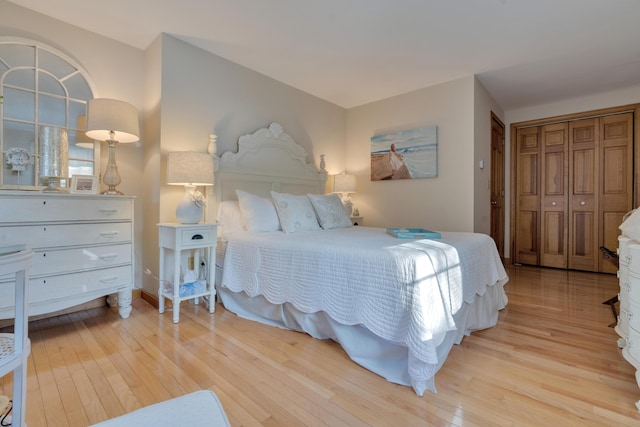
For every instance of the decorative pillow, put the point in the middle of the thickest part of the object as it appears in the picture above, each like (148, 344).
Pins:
(258, 212)
(230, 218)
(330, 210)
(295, 212)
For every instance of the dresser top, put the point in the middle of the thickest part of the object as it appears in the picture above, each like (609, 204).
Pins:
(38, 193)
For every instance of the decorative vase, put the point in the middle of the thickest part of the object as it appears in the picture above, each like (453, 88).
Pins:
(53, 157)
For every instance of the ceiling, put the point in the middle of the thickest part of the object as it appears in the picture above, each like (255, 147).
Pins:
(352, 52)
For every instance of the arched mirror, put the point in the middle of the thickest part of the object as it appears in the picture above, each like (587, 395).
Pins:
(41, 87)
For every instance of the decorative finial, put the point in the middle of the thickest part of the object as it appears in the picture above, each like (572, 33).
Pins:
(212, 148)
(322, 164)
(276, 129)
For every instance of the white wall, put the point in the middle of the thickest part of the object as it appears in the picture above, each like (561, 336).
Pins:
(484, 104)
(151, 167)
(117, 72)
(442, 203)
(204, 93)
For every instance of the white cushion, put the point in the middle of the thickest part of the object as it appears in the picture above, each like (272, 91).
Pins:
(330, 211)
(230, 218)
(199, 409)
(295, 212)
(258, 212)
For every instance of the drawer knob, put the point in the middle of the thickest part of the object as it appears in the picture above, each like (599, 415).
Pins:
(583, 203)
(197, 237)
(553, 203)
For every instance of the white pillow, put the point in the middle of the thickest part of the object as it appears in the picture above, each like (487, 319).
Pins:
(230, 218)
(258, 212)
(295, 212)
(330, 210)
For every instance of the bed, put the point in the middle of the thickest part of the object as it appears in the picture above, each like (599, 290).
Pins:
(396, 306)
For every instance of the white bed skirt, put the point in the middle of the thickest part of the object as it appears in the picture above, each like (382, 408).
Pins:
(386, 358)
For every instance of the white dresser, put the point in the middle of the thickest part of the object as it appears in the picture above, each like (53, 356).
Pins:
(83, 249)
(628, 325)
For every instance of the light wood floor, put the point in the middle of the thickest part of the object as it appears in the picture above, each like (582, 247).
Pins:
(551, 360)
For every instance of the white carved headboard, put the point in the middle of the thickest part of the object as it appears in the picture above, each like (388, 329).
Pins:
(267, 160)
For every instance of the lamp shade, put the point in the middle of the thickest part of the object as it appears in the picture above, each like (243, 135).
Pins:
(344, 183)
(111, 119)
(82, 140)
(189, 168)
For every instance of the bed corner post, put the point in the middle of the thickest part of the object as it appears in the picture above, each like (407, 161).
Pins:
(323, 166)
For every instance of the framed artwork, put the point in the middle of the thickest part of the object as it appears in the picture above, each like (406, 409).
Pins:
(406, 154)
(87, 184)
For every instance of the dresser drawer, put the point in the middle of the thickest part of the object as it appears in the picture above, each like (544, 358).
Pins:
(634, 315)
(622, 328)
(631, 351)
(48, 236)
(634, 287)
(625, 285)
(54, 288)
(52, 208)
(634, 257)
(57, 261)
(623, 249)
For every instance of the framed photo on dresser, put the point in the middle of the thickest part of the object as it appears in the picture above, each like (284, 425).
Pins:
(84, 184)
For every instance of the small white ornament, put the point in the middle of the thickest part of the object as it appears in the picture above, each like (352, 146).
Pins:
(18, 158)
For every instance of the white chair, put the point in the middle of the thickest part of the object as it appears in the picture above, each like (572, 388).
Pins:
(15, 348)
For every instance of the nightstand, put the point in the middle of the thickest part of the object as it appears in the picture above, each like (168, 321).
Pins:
(357, 220)
(191, 238)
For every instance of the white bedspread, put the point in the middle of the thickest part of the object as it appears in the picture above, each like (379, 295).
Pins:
(405, 291)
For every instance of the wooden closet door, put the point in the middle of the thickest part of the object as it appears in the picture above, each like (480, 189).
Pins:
(527, 215)
(584, 170)
(616, 160)
(553, 204)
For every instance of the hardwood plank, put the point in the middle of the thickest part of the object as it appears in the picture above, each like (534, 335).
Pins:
(551, 360)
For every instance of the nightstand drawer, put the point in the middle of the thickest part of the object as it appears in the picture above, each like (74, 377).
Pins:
(197, 236)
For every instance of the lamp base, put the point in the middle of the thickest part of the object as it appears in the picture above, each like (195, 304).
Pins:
(187, 212)
(111, 175)
(348, 204)
(113, 192)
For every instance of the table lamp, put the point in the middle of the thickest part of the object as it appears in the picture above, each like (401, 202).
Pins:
(344, 184)
(114, 122)
(190, 169)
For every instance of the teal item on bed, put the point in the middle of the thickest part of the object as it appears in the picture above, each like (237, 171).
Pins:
(413, 233)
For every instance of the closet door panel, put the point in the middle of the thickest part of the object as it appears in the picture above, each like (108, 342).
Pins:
(584, 241)
(616, 178)
(528, 197)
(583, 194)
(554, 232)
